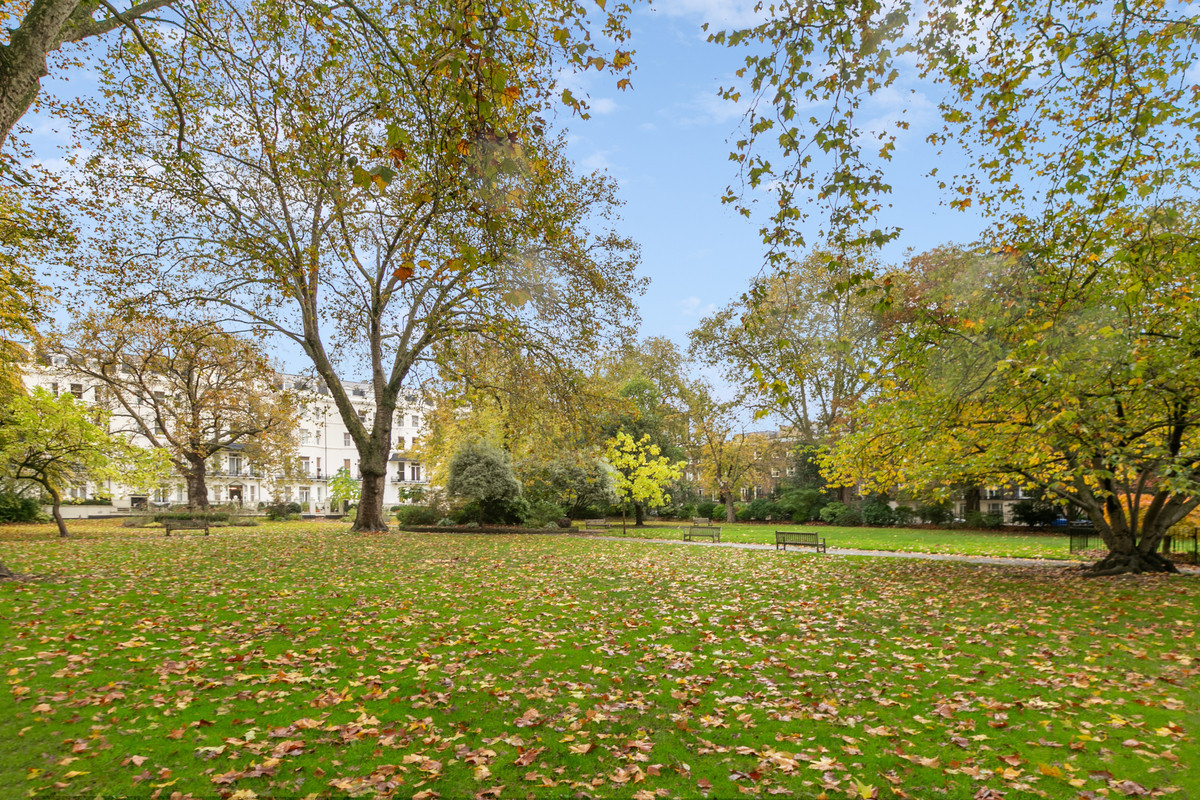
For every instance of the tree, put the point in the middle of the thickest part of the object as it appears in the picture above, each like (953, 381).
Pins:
(1082, 385)
(388, 185)
(187, 387)
(1067, 116)
(796, 346)
(728, 456)
(577, 482)
(344, 488)
(44, 26)
(56, 442)
(642, 473)
(482, 473)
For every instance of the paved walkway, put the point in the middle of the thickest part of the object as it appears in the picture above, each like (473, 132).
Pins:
(988, 560)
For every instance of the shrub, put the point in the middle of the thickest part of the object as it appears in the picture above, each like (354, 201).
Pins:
(903, 515)
(935, 513)
(543, 513)
(482, 473)
(507, 512)
(15, 508)
(993, 521)
(718, 512)
(446, 522)
(841, 514)
(1035, 513)
(210, 516)
(743, 513)
(756, 508)
(706, 510)
(762, 509)
(668, 512)
(278, 511)
(242, 521)
(877, 512)
(803, 505)
(564, 522)
(687, 511)
(417, 515)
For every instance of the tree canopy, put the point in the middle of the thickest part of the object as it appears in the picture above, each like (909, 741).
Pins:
(367, 184)
(188, 387)
(1013, 368)
(1066, 115)
(58, 442)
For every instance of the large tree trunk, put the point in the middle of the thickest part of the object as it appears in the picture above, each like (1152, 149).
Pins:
(43, 29)
(23, 62)
(1129, 552)
(639, 515)
(196, 476)
(972, 499)
(369, 516)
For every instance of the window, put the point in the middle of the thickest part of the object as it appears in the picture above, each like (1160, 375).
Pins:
(791, 471)
(416, 421)
(774, 472)
(415, 471)
(77, 390)
(304, 490)
(347, 440)
(305, 436)
(54, 389)
(400, 443)
(346, 464)
(235, 465)
(996, 508)
(305, 466)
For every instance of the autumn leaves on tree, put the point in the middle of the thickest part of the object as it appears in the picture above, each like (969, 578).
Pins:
(367, 188)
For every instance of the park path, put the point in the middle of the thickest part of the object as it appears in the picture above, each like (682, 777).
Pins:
(839, 551)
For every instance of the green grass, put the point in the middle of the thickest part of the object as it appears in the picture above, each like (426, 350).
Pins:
(297, 659)
(1009, 544)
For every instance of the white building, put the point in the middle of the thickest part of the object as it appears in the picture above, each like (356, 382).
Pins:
(323, 441)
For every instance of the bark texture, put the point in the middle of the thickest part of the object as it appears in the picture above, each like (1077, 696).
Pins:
(47, 25)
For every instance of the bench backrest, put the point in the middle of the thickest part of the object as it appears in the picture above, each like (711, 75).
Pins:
(705, 529)
(798, 535)
(592, 523)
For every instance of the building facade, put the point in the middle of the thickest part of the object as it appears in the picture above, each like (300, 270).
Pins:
(323, 447)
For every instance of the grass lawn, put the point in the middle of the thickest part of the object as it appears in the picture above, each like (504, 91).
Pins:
(908, 540)
(295, 659)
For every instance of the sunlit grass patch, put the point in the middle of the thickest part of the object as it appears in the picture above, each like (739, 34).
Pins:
(1010, 544)
(288, 660)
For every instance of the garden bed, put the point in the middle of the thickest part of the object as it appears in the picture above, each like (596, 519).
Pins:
(489, 529)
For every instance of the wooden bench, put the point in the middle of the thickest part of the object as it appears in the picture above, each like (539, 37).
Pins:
(800, 539)
(186, 525)
(701, 531)
(595, 524)
(701, 522)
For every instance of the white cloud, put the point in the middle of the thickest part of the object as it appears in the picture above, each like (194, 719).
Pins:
(708, 108)
(695, 307)
(602, 105)
(719, 14)
(596, 162)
